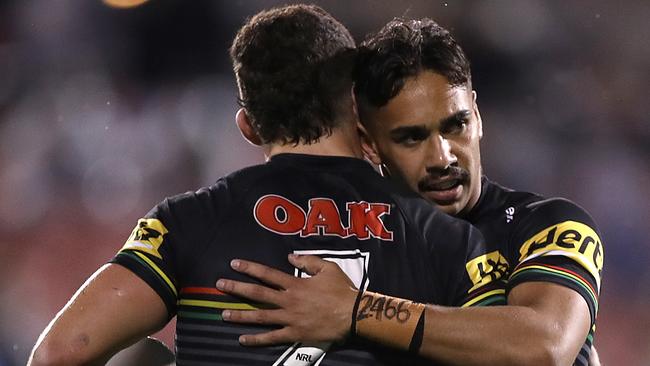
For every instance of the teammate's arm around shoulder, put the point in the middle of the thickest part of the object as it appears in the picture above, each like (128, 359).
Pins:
(112, 310)
(543, 324)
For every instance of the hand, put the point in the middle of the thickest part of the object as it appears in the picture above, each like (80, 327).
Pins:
(315, 309)
(594, 359)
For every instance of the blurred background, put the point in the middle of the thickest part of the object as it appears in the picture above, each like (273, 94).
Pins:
(107, 107)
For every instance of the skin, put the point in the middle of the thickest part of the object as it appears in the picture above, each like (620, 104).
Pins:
(426, 133)
(111, 311)
(544, 323)
(427, 137)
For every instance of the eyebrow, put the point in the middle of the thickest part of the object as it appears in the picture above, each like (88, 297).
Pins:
(407, 130)
(458, 116)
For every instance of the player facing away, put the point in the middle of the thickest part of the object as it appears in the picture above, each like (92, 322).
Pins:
(314, 195)
(543, 258)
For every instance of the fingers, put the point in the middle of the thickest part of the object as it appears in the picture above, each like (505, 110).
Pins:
(263, 273)
(314, 265)
(274, 337)
(260, 317)
(594, 359)
(250, 291)
(309, 263)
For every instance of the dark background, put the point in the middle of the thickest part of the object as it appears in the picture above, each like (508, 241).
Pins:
(104, 111)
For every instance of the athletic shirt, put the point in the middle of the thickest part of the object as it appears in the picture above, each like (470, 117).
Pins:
(532, 238)
(387, 240)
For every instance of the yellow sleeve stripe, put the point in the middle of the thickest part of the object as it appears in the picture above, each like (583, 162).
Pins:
(217, 304)
(158, 271)
(483, 296)
(570, 239)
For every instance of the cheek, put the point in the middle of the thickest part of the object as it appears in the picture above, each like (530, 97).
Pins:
(409, 172)
(403, 168)
(467, 152)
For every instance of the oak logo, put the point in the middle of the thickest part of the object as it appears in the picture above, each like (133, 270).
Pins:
(486, 268)
(570, 238)
(147, 237)
(282, 216)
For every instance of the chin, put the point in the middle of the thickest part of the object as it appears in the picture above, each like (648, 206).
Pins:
(452, 209)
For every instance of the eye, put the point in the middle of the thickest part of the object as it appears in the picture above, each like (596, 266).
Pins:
(455, 125)
(411, 138)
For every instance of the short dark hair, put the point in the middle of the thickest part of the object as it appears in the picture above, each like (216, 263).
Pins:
(402, 49)
(294, 69)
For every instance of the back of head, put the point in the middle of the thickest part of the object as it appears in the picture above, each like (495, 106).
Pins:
(294, 72)
(402, 49)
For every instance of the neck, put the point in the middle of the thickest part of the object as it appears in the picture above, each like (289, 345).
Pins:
(344, 141)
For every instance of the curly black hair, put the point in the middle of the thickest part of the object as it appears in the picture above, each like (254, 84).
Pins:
(294, 69)
(402, 49)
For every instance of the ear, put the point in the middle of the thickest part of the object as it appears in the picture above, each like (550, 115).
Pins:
(355, 107)
(478, 115)
(368, 145)
(246, 129)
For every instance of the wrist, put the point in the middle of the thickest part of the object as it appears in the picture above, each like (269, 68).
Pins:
(391, 321)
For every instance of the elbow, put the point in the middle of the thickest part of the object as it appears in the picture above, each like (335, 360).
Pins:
(46, 355)
(543, 357)
(51, 354)
(544, 353)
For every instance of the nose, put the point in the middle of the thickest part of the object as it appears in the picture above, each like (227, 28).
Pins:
(440, 154)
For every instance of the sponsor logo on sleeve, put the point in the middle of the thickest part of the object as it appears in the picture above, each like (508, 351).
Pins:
(147, 237)
(486, 268)
(571, 239)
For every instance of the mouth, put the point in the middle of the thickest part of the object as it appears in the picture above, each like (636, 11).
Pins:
(443, 192)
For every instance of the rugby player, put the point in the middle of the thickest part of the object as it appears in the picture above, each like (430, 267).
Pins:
(422, 126)
(314, 195)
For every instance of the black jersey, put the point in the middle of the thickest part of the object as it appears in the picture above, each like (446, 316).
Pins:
(532, 238)
(337, 208)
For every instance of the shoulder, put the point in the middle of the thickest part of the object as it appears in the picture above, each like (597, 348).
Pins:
(555, 223)
(559, 227)
(193, 204)
(529, 210)
(551, 211)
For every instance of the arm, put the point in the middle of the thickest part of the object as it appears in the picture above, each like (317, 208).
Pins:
(543, 324)
(112, 310)
(594, 358)
(148, 351)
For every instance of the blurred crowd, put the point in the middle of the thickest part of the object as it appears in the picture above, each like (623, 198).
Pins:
(106, 110)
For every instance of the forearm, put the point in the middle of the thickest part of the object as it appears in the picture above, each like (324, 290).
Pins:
(545, 324)
(500, 335)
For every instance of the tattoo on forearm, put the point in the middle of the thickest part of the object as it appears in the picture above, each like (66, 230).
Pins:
(389, 320)
(381, 307)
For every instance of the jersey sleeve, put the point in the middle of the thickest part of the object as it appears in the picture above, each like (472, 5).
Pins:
(167, 240)
(557, 241)
(486, 270)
